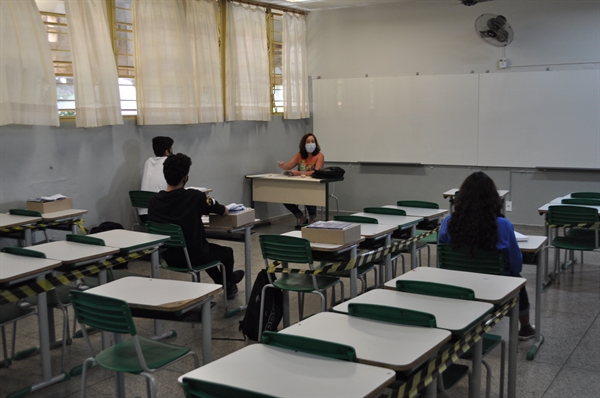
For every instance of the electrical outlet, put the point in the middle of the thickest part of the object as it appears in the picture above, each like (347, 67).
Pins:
(508, 205)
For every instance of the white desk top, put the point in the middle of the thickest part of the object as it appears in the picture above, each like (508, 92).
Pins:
(285, 373)
(556, 202)
(493, 289)
(450, 193)
(74, 252)
(389, 345)
(532, 244)
(276, 176)
(371, 231)
(130, 240)
(157, 294)
(14, 267)
(63, 214)
(12, 220)
(324, 247)
(402, 222)
(427, 214)
(450, 314)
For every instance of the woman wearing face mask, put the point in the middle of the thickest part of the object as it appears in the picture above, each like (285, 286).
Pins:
(307, 160)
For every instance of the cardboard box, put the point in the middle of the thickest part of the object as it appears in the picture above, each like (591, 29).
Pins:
(337, 236)
(50, 207)
(232, 220)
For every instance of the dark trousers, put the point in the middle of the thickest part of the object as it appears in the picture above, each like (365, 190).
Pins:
(312, 210)
(523, 299)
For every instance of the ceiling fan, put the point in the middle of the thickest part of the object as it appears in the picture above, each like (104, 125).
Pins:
(472, 2)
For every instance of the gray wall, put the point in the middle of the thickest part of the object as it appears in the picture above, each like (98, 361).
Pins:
(434, 38)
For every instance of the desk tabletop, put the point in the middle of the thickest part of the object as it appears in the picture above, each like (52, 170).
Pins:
(385, 344)
(157, 294)
(372, 231)
(14, 267)
(325, 247)
(13, 220)
(282, 177)
(533, 243)
(63, 214)
(403, 222)
(557, 202)
(427, 214)
(451, 314)
(495, 289)
(126, 240)
(74, 252)
(450, 193)
(286, 373)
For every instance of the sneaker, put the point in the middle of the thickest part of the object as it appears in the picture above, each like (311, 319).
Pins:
(231, 291)
(237, 277)
(526, 332)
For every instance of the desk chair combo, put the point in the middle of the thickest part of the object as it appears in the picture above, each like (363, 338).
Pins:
(177, 241)
(29, 213)
(424, 226)
(137, 355)
(285, 250)
(139, 200)
(581, 227)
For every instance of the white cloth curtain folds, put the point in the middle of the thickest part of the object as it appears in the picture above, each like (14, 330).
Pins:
(27, 83)
(295, 67)
(163, 56)
(202, 26)
(97, 101)
(247, 64)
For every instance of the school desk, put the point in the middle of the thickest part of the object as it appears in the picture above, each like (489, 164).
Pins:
(494, 289)
(15, 269)
(427, 214)
(149, 297)
(285, 373)
(403, 223)
(66, 217)
(279, 188)
(15, 222)
(450, 195)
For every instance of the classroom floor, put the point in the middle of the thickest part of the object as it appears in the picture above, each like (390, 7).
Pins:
(567, 365)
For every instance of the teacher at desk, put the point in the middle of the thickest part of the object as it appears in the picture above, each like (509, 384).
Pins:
(307, 160)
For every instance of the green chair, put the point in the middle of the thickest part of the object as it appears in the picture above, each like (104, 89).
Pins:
(581, 201)
(575, 237)
(137, 355)
(489, 341)
(479, 261)
(291, 250)
(193, 388)
(139, 200)
(424, 226)
(30, 213)
(591, 195)
(177, 241)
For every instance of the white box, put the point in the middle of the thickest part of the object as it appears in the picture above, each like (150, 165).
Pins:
(232, 220)
(50, 207)
(337, 236)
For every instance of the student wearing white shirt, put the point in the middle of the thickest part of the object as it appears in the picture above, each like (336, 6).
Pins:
(153, 178)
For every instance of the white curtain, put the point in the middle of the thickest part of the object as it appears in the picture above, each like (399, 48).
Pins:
(27, 85)
(97, 101)
(201, 18)
(247, 64)
(163, 54)
(294, 68)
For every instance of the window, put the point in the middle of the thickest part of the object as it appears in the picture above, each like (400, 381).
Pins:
(275, 37)
(122, 24)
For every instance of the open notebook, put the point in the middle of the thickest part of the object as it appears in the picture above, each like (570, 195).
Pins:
(521, 237)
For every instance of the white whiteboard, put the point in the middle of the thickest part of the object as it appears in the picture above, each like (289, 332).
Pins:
(516, 119)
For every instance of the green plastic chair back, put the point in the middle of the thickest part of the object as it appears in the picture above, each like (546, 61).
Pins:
(140, 199)
(591, 195)
(582, 201)
(435, 289)
(310, 346)
(24, 212)
(356, 219)
(173, 230)
(103, 313)
(418, 203)
(286, 249)
(565, 215)
(193, 388)
(401, 316)
(384, 210)
(86, 239)
(21, 251)
(483, 262)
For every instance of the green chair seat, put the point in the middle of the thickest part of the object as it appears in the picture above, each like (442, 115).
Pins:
(431, 239)
(123, 356)
(300, 283)
(571, 243)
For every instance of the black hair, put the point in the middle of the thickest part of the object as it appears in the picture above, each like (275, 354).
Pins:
(302, 146)
(176, 167)
(161, 144)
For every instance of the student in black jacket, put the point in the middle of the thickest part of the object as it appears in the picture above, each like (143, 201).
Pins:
(185, 207)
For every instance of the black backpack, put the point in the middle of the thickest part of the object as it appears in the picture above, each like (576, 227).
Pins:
(107, 226)
(273, 309)
(329, 172)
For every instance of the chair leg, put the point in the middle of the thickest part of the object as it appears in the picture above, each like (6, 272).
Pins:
(502, 361)
(262, 309)
(150, 384)
(300, 306)
(488, 378)
(84, 374)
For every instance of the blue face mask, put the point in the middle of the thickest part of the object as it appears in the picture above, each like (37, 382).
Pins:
(310, 148)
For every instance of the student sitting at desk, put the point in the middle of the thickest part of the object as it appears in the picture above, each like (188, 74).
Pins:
(153, 179)
(477, 222)
(185, 207)
(308, 159)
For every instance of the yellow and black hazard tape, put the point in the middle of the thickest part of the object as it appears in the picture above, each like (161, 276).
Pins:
(52, 282)
(42, 225)
(425, 376)
(590, 225)
(366, 258)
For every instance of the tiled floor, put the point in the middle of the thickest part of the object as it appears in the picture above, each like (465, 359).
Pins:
(567, 365)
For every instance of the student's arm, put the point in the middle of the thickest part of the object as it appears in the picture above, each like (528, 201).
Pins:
(291, 164)
(443, 236)
(509, 245)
